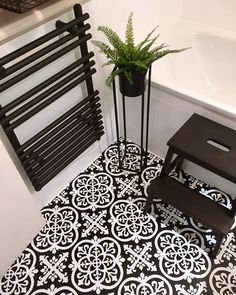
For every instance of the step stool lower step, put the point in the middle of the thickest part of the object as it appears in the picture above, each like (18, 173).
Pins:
(191, 203)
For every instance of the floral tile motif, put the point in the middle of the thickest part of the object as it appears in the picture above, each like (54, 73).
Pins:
(170, 215)
(199, 289)
(60, 232)
(53, 290)
(140, 258)
(223, 280)
(228, 250)
(129, 223)
(96, 265)
(53, 269)
(19, 279)
(128, 186)
(181, 256)
(92, 191)
(94, 223)
(148, 285)
(217, 196)
(97, 239)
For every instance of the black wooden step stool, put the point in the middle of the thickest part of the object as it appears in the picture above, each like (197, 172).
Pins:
(211, 146)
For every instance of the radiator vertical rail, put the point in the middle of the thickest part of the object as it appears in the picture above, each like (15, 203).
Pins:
(83, 47)
(51, 149)
(11, 135)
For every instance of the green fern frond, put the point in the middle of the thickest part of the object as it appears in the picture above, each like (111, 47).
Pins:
(106, 49)
(139, 46)
(158, 48)
(128, 75)
(129, 34)
(165, 52)
(113, 74)
(110, 62)
(143, 51)
(114, 39)
(139, 64)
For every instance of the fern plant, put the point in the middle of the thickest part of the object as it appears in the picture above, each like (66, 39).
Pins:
(128, 56)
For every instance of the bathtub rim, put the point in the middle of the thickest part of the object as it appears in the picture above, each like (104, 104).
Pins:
(195, 98)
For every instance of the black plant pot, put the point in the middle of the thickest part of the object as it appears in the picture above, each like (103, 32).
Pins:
(137, 87)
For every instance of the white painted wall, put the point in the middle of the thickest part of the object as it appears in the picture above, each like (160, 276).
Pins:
(20, 219)
(217, 13)
(148, 15)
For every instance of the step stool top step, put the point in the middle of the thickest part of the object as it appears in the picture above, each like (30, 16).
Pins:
(193, 204)
(192, 142)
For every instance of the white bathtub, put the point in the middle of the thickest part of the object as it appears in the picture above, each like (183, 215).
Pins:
(206, 73)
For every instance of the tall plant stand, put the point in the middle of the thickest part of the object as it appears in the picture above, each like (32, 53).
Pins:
(144, 133)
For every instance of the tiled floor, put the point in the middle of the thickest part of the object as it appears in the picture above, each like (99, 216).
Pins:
(98, 241)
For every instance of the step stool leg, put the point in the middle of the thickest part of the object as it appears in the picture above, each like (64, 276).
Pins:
(180, 164)
(148, 203)
(167, 162)
(216, 249)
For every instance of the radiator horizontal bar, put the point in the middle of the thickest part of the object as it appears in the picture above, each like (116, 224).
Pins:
(46, 159)
(44, 84)
(46, 93)
(39, 184)
(43, 63)
(57, 122)
(37, 158)
(43, 51)
(60, 130)
(49, 101)
(63, 151)
(32, 45)
(30, 154)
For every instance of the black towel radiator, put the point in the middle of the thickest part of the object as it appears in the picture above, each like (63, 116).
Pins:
(49, 151)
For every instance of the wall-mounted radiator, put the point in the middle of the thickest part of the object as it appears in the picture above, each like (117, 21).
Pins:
(52, 148)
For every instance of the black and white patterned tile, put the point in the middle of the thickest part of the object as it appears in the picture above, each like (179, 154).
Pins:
(97, 240)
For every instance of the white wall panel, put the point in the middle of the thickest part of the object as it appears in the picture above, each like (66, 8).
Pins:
(20, 219)
(216, 13)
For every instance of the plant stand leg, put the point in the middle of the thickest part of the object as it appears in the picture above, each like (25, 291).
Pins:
(148, 112)
(124, 126)
(142, 127)
(117, 123)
